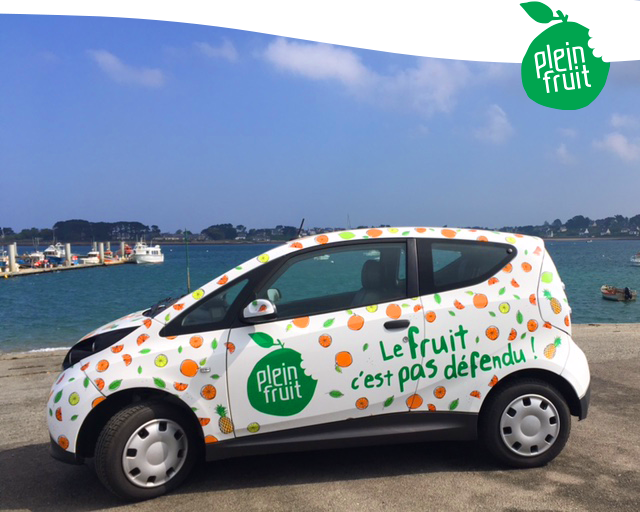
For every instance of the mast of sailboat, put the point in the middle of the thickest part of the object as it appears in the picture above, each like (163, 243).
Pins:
(186, 245)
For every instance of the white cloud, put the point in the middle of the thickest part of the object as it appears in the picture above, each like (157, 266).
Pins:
(620, 146)
(563, 155)
(225, 51)
(122, 73)
(623, 121)
(319, 62)
(497, 129)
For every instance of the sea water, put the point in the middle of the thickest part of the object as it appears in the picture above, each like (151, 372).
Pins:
(54, 310)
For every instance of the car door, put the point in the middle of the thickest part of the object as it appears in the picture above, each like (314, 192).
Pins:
(338, 347)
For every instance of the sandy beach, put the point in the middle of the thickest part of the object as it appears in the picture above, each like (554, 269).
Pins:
(598, 470)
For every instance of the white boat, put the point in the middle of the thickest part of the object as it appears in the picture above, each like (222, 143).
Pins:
(620, 294)
(93, 258)
(55, 253)
(635, 260)
(142, 253)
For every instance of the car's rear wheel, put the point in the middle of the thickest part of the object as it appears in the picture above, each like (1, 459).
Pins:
(525, 424)
(145, 450)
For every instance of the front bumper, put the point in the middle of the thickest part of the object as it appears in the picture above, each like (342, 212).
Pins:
(584, 404)
(62, 455)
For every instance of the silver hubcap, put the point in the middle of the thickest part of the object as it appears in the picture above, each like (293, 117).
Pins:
(530, 425)
(154, 453)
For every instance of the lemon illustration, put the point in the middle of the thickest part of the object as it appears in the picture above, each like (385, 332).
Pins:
(198, 294)
(393, 230)
(504, 308)
(372, 309)
(253, 427)
(511, 240)
(546, 277)
(263, 258)
(161, 360)
(559, 69)
(74, 398)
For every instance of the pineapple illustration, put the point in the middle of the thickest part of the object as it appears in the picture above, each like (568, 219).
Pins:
(550, 349)
(225, 423)
(555, 303)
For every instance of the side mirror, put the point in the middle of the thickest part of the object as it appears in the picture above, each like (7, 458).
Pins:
(259, 310)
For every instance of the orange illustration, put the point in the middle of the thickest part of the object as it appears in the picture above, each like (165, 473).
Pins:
(301, 322)
(102, 365)
(208, 392)
(439, 392)
(374, 233)
(431, 407)
(59, 413)
(458, 304)
(532, 325)
(480, 300)
(127, 359)
(147, 322)
(180, 386)
(449, 233)
(417, 308)
(223, 280)
(493, 280)
(343, 359)
(189, 368)
(514, 283)
(63, 442)
(98, 400)
(204, 421)
(430, 316)
(526, 267)
(355, 323)
(142, 338)
(475, 393)
(85, 366)
(482, 238)
(100, 384)
(322, 239)
(230, 347)
(508, 268)
(532, 299)
(513, 334)
(117, 348)
(210, 439)
(547, 325)
(394, 311)
(492, 332)
(171, 337)
(362, 403)
(493, 381)
(296, 245)
(414, 401)
(196, 341)
(567, 321)
(324, 340)
(178, 307)
(421, 230)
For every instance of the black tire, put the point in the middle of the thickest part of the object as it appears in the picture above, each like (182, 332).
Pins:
(124, 430)
(525, 424)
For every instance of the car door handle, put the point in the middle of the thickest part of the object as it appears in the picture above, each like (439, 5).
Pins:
(396, 324)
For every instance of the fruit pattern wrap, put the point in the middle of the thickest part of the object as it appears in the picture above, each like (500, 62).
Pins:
(554, 306)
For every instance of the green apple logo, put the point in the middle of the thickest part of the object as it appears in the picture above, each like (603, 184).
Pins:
(559, 69)
(277, 384)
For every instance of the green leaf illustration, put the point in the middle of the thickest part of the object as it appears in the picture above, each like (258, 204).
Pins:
(57, 397)
(365, 347)
(387, 402)
(453, 405)
(74, 417)
(86, 382)
(477, 339)
(336, 394)
(452, 313)
(469, 292)
(115, 384)
(145, 351)
(238, 268)
(159, 382)
(180, 349)
(406, 306)
(263, 339)
(50, 412)
(289, 327)
(502, 290)
(405, 233)
(167, 317)
(517, 297)
(214, 344)
(338, 369)
(139, 369)
(437, 298)
(524, 335)
(72, 379)
(538, 11)
(347, 235)
(215, 376)
(519, 317)
(492, 313)
(349, 312)
(328, 323)
(203, 361)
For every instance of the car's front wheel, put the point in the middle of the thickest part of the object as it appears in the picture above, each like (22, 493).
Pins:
(145, 450)
(525, 424)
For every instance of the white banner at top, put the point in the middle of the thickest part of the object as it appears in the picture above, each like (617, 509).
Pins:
(477, 30)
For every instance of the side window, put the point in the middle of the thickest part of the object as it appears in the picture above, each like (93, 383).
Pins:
(208, 313)
(338, 278)
(455, 264)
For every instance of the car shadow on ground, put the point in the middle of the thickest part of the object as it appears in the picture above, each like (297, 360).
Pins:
(35, 481)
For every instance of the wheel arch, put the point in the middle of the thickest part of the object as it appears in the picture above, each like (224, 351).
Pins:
(559, 383)
(100, 415)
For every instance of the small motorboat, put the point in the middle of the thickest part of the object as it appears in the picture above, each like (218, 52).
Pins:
(620, 294)
(143, 253)
(635, 260)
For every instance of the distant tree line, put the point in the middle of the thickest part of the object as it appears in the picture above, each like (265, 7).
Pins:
(77, 230)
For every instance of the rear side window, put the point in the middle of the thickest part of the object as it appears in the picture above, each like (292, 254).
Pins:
(450, 264)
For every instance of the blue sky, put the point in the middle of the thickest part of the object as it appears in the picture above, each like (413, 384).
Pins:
(185, 125)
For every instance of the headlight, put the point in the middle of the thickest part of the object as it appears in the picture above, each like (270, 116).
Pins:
(96, 343)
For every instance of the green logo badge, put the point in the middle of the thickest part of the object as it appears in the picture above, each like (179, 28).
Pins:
(559, 69)
(278, 385)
